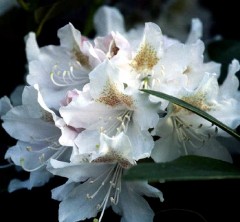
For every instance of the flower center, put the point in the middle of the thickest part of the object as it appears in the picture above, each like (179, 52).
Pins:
(145, 59)
(112, 97)
(198, 100)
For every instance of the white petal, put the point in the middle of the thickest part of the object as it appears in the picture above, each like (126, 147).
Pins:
(36, 179)
(5, 105)
(213, 149)
(32, 49)
(107, 19)
(141, 141)
(76, 172)
(30, 155)
(132, 206)
(230, 86)
(119, 146)
(85, 113)
(143, 188)
(167, 147)
(25, 119)
(145, 112)
(153, 36)
(61, 192)
(16, 95)
(86, 143)
(68, 134)
(102, 76)
(196, 31)
(49, 72)
(70, 37)
(75, 206)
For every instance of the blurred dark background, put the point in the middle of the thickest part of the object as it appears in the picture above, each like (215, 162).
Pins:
(184, 201)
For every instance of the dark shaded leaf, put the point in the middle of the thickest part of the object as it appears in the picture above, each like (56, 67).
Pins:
(184, 168)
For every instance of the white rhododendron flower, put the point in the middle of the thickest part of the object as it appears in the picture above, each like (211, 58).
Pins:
(94, 186)
(191, 134)
(37, 136)
(111, 109)
(104, 188)
(85, 117)
(57, 69)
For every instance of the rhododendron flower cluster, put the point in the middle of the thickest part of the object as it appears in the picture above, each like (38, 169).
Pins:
(84, 117)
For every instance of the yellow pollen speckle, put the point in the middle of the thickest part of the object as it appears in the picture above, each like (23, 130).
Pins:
(198, 100)
(145, 59)
(112, 97)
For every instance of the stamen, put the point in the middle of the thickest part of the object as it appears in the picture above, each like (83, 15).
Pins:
(66, 77)
(59, 153)
(113, 175)
(96, 192)
(6, 165)
(30, 170)
(186, 134)
(108, 172)
(42, 159)
(120, 124)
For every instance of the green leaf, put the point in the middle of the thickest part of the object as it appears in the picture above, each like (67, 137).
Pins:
(28, 5)
(195, 110)
(184, 168)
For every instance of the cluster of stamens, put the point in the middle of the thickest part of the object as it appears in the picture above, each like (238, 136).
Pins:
(118, 124)
(65, 78)
(42, 159)
(112, 179)
(186, 133)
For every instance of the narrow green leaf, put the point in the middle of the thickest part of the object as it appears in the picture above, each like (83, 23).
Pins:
(28, 5)
(24, 5)
(195, 110)
(184, 168)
